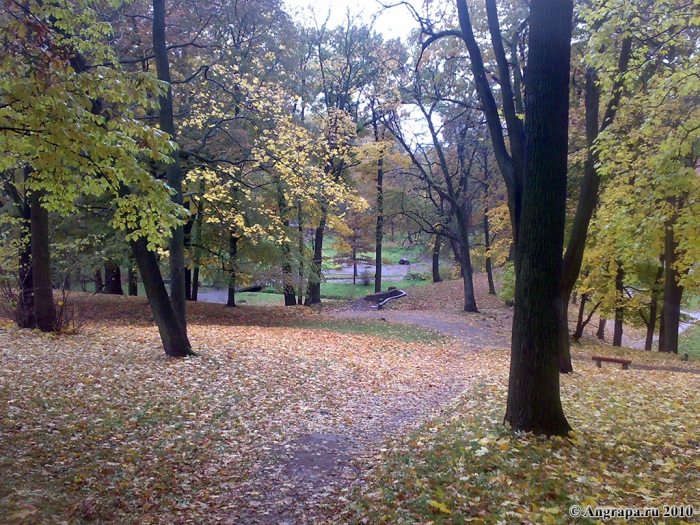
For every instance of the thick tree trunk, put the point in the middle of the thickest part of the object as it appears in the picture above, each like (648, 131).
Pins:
(173, 171)
(620, 309)
(673, 294)
(113, 279)
(133, 282)
(600, 334)
(487, 243)
(534, 403)
(233, 258)
(315, 284)
(436, 258)
(44, 307)
(172, 333)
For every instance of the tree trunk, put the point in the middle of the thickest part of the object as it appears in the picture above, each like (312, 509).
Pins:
(673, 294)
(315, 285)
(354, 267)
(173, 171)
(172, 333)
(487, 244)
(44, 307)
(302, 249)
(25, 315)
(436, 258)
(133, 283)
(653, 309)
(197, 243)
(99, 285)
(195, 284)
(600, 334)
(380, 218)
(188, 284)
(456, 252)
(578, 333)
(290, 298)
(462, 215)
(620, 309)
(233, 257)
(113, 279)
(534, 402)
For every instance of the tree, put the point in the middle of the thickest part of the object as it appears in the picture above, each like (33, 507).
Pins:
(534, 403)
(68, 113)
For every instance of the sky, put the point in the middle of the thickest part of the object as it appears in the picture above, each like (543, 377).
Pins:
(393, 23)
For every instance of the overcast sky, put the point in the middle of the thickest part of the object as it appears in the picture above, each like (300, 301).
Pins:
(393, 23)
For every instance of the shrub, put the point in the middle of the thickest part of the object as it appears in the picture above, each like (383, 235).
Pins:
(507, 290)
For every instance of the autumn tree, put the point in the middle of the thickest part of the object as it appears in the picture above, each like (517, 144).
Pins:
(74, 128)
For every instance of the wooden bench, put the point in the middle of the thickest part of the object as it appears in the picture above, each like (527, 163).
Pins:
(624, 362)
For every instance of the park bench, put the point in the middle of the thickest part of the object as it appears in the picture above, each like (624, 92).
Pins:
(624, 362)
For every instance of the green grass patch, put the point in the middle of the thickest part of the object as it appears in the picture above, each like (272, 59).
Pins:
(689, 341)
(260, 298)
(384, 330)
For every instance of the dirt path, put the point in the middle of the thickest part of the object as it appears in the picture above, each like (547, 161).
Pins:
(305, 480)
(449, 323)
(302, 481)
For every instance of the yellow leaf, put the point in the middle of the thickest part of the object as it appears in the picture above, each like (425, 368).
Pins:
(439, 506)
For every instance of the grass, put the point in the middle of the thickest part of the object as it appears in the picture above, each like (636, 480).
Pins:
(381, 329)
(260, 299)
(689, 341)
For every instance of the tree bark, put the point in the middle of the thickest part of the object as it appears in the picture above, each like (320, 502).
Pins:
(172, 333)
(25, 315)
(462, 215)
(487, 243)
(99, 285)
(44, 308)
(173, 171)
(197, 246)
(534, 403)
(653, 309)
(578, 333)
(315, 285)
(673, 294)
(133, 282)
(233, 256)
(436, 258)
(379, 233)
(620, 309)
(188, 284)
(600, 334)
(113, 279)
